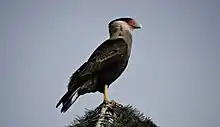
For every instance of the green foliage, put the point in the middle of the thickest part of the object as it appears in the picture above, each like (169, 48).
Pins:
(125, 116)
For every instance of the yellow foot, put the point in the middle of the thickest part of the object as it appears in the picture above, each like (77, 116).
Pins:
(106, 101)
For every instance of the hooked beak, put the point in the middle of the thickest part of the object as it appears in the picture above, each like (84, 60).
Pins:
(138, 26)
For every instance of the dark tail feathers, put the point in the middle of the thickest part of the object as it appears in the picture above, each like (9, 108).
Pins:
(67, 100)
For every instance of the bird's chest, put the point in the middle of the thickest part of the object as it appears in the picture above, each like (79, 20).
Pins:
(111, 73)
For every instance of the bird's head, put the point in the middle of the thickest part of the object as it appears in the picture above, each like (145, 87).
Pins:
(125, 22)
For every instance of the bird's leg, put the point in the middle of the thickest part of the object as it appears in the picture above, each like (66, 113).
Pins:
(106, 94)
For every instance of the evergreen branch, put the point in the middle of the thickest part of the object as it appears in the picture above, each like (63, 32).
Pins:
(113, 115)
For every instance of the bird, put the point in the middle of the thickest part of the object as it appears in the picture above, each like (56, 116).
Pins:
(105, 64)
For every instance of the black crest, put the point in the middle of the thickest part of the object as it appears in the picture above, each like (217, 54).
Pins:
(126, 19)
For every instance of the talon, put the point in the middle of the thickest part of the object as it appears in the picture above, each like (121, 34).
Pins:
(106, 101)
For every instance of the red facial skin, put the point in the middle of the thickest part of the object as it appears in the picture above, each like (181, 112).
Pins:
(132, 23)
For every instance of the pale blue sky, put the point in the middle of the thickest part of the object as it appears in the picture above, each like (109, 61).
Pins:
(173, 74)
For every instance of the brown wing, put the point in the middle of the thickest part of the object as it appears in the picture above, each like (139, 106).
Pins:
(108, 52)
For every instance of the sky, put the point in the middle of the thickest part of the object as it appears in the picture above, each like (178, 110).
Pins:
(173, 74)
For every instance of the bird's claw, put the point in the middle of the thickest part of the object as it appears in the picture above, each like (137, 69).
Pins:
(106, 101)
